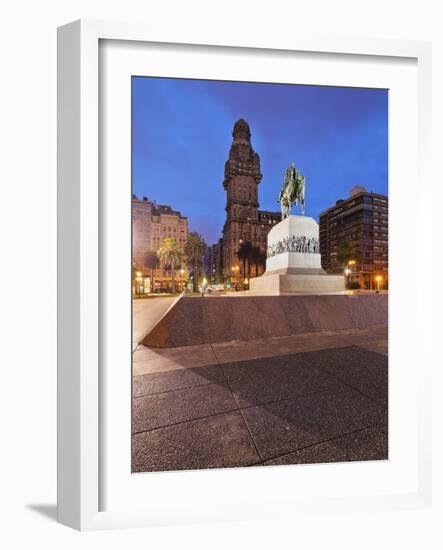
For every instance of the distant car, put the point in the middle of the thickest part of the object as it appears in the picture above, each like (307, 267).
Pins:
(216, 288)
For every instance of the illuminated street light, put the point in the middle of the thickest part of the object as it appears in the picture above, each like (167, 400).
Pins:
(138, 282)
(378, 280)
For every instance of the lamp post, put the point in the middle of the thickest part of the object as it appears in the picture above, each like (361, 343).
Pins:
(378, 280)
(348, 270)
(203, 287)
(235, 269)
(138, 281)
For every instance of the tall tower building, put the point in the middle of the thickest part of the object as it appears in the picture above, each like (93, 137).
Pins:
(244, 222)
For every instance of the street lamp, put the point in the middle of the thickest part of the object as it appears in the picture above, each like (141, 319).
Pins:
(234, 270)
(348, 270)
(378, 280)
(138, 281)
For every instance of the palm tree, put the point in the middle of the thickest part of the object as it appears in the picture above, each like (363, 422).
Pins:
(195, 249)
(170, 254)
(262, 260)
(151, 262)
(257, 256)
(244, 254)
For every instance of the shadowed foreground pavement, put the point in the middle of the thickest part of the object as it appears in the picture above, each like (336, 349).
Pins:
(307, 398)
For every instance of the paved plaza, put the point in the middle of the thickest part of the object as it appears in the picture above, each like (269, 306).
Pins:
(306, 398)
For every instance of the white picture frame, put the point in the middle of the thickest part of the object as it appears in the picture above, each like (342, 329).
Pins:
(80, 365)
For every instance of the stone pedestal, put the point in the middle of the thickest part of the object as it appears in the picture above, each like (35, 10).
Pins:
(293, 263)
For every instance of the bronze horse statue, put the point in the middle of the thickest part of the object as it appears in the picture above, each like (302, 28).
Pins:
(292, 191)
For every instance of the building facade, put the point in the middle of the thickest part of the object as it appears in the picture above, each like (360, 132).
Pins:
(245, 223)
(213, 252)
(216, 262)
(362, 222)
(151, 223)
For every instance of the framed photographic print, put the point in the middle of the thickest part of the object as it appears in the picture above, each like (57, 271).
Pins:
(232, 262)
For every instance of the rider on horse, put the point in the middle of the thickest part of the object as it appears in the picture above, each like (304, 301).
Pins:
(292, 192)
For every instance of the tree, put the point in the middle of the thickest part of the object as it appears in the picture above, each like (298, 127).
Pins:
(244, 254)
(195, 249)
(346, 252)
(262, 259)
(151, 262)
(171, 255)
(256, 257)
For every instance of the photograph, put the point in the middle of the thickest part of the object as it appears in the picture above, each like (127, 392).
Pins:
(260, 274)
(230, 215)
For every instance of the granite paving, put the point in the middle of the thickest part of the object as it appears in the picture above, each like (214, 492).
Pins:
(176, 379)
(279, 345)
(366, 444)
(216, 442)
(296, 399)
(274, 378)
(290, 424)
(379, 346)
(164, 409)
(360, 368)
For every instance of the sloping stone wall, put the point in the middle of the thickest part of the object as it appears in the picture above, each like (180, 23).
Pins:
(195, 320)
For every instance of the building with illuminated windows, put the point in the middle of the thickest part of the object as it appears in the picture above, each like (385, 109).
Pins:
(362, 221)
(151, 223)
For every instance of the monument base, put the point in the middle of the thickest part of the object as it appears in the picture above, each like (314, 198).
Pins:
(283, 282)
(293, 263)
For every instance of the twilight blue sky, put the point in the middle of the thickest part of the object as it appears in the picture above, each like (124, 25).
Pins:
(182, 132)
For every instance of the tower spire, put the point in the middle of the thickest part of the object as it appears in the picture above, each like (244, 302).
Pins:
(243, 160)
(241, 131)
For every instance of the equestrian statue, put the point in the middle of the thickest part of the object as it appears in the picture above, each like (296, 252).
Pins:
(292, 191)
